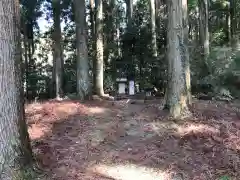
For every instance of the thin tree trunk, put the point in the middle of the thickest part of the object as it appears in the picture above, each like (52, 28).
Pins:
(99, 48)
(203, 25)
(128, 46)
(228, 24)
(176, 98)
(31, 82)
(118, 39)
(83, 85)
(196, 33)
(129, 11)
(26, 61)
(92, 19)
(185, 43)
(57, 38)
(153, 27)
(15, 149)
(234, 36)
(93, 44)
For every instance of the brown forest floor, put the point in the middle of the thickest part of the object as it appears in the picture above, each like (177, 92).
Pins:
(98, 140)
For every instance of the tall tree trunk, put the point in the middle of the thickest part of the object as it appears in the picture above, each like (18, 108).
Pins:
(228, 24)
(15, 149)
(93, 43)
(196, 33)
(203, 30)
(128, 46)
(28, 56)
(57, 38)
(83, 84)
(153, 27)
(99, 48)
(92, 17)
(110, 16)
(114, 40)
(234, 36)
(129, 11)
(185, 39)
(177, 91)
(117, 38)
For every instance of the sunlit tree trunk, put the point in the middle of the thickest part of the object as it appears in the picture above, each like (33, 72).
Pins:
(153, 27)
(228, 23)
(92, 19)
(15, 150)
(186, 65)
(57, 49)
(83, 85)
(99, 48)
(177, 98)
(25, 42)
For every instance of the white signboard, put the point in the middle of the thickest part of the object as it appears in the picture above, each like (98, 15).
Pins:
(121, 88)
(131, 88)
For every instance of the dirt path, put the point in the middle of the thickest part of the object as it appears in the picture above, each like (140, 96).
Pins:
(98, 140)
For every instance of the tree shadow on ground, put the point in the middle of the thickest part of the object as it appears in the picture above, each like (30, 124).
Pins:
(97, 140)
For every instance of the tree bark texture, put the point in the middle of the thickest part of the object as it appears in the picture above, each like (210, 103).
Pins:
(203, 25)
(233, 19)
(186, 54)
(93, 43)
(83, 80)
(57, 49)
(128, 47)
(99, 49)
(15, 150)
(153, 27)
(176, 98)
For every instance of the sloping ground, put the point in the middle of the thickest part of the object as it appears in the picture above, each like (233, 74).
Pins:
(98, 140)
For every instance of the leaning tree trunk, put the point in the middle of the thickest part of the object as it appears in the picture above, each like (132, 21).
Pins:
(153, 27)
(15, 150)
(83, 84)
(177, 91)
(99, 48)
(57, 49)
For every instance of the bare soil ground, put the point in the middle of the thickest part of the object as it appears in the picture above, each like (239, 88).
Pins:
(124, 141)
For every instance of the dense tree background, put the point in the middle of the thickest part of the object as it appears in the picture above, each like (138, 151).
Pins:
(131, 45)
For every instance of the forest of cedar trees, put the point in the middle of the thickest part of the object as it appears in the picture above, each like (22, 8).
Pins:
(119, 89)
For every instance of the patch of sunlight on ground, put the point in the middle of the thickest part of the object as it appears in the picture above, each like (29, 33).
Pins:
(68, 109)
(96, 110)
(196, 128)
(33, 106)
(37, 132)
(129, 172)
(169, 127)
